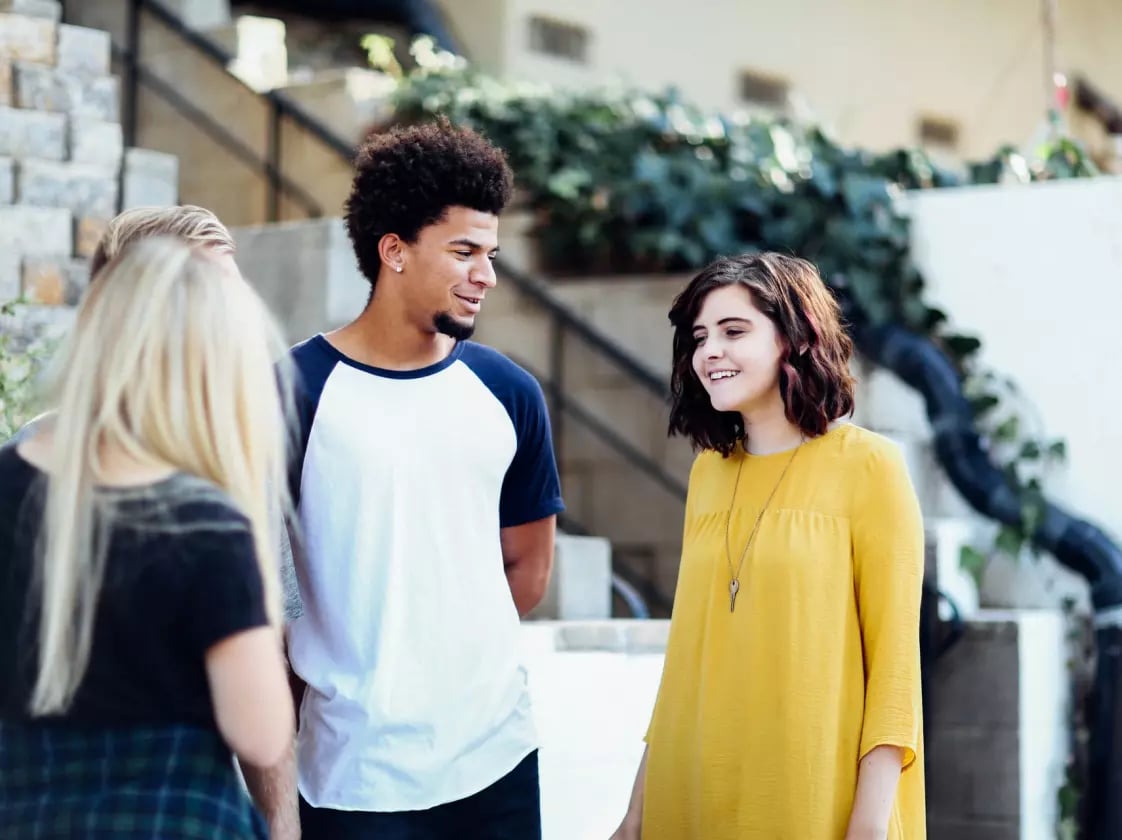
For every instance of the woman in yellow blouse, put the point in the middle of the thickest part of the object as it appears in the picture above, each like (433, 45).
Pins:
(789, 707)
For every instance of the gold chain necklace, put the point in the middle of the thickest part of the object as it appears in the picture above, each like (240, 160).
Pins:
(734, 577)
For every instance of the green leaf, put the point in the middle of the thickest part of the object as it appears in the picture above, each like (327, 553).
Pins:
(973, 562)
(1007, 431)
(983, 404)
(1057, 450)
(1032, 513)
(1009, 541)
(1030, 451)
(934, 319)
(961, 346)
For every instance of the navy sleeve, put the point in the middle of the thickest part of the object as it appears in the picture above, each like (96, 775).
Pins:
(531, 488)
(312, 363)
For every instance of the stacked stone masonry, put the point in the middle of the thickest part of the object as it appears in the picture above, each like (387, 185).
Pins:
(64, 168)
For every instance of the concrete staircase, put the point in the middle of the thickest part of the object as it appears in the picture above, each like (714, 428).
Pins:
(64, 170)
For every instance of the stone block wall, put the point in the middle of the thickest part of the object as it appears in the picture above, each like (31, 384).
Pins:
(64, 169)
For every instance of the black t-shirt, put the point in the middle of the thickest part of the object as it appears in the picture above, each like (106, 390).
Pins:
(180, 575)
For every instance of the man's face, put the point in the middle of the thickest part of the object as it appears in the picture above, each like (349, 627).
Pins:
(448, 271)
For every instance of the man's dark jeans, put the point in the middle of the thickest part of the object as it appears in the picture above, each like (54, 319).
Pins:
(510, 809)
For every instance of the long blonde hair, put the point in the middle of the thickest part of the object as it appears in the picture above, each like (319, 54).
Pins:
(173, 361)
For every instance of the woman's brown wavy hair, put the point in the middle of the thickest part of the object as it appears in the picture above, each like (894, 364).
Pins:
(814, 377)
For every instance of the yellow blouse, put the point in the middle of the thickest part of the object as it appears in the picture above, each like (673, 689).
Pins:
(764, 713)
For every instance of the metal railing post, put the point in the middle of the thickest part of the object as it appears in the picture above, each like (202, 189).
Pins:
(272, 163)
(1102, 809)
(557, 386)
(132, 59)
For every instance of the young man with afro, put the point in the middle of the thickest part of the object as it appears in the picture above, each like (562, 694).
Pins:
(427, 492)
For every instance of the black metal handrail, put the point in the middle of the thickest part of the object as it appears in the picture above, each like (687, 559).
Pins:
(538, 291)
(564, 404)
(280, 105)
(221, 135)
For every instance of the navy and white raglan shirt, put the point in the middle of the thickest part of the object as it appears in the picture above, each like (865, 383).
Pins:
(409, 636)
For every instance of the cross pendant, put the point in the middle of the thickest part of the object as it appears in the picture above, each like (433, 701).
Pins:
(734, 587)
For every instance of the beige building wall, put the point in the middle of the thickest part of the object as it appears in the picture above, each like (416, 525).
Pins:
(869, 69)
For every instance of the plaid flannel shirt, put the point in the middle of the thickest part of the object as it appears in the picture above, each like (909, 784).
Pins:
(64, 781)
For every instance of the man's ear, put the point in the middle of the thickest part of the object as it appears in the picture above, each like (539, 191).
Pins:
(392, 251)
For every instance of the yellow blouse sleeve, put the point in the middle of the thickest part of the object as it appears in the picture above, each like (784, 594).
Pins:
(888, 549)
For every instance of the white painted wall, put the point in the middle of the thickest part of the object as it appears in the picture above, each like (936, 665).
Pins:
(1043, 705)
(1036, 272)
(866, 69)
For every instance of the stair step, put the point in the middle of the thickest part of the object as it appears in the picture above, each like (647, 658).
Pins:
(259, 47)
(348, 100)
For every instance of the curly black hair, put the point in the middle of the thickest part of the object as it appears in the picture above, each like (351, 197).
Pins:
(407, 178)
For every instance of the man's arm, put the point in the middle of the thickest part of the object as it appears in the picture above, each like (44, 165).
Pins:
(274, 793)
(273, 789)
(528, 560)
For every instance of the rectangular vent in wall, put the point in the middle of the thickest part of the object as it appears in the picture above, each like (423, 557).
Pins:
(560, 40)
(760, 89)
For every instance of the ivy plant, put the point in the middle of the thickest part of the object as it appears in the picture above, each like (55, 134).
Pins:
(20, 363)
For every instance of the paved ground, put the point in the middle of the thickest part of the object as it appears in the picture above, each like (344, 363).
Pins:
(592, 709)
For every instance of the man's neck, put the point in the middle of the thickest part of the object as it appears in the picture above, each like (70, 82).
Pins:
(383, 337)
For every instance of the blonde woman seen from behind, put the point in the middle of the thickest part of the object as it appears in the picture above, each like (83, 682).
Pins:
(139, 593)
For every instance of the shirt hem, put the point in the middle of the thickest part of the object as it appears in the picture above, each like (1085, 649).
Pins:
(416, 805)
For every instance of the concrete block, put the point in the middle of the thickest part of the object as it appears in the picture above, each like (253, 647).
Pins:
(979, 678)
(39, 134)
(580, 587)
(149, 179)
(7, 181)
(96, 142)
(259, 50)
(631, 636)
(84, 189)
(83, 50)
(77, 94)
(987, 785)
(50, 10)
(88, 231)
(9, 276)
(54, 281)
(35, 231)
(28, 39)
(5, 82)
(973, 829)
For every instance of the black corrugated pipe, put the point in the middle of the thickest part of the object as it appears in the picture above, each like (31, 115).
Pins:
(1077, 544)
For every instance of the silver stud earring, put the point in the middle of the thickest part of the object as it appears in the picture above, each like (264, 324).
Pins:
(398, 269)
